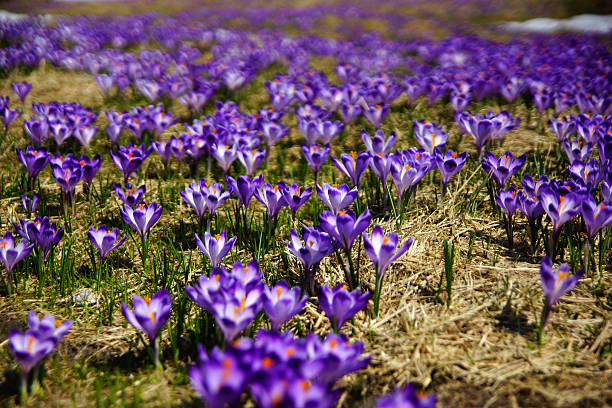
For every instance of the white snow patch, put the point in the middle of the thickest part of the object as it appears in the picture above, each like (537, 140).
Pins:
(585, 22)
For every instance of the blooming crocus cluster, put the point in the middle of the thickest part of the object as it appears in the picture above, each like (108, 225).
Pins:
(36, 343)
(40, 232)
(277, 369)
(149, 316)
(130, 158)
(407, 397)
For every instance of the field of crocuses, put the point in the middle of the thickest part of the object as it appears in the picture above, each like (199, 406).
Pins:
(315, 205)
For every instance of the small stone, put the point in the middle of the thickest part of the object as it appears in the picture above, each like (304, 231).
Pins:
(84, 296)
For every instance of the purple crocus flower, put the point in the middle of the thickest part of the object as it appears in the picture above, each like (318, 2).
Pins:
(232, 317)
(129, 159)
(225, 156)
(141, 217)
(85, 134)
(478, 127)
(164, 149)
(149, 316)
(449, 164)
(504, 168)
(11, 254)
(561, 206)
(340, 305)
(214, 195)
(48, 327)
(8, 116)
(272, 197)
(34, 161)
(219, 378)
(345, 226)
(336, 197)
(378, 144)
(196, 198)
(595, 216)
(42, 233)
(381, 249)
(555, 283)
(405, 174)
(60, 130)
(281, 303)
(37, 129)
(563, 129)
(407, 397)
(244, 187)
(251, 159)
(105, 240)
(215, 247)
(353, 165)
(273, 132)
(375, 114)
(67, 177)
(328, 130)
(316, 246)
(429, 136)
(587, 173)
(21, 89)
(508, 200)
(29, 205)
(29, 350)
(131, 196)
(577, 149)
(113, 131)
(296, 196)
(89, 168)
(316, 156)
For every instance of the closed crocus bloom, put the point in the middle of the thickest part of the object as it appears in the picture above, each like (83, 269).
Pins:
(11, 253)
(34, 161)
(21, 89)
(381, 165)
(105, 240)
(281, 303)
(194, 196)
(479, 128)
(149, 315)
(244, 187)
(502, 169)
(429, 136)
(141, 217)
(407, 397)
(378, 144)
(208, 289)
(214, 195)
(60, 130)
(353, 165)
(273, 132)
(37, 129)
(555, 283)
(595, 216)
(131, 195)
(349, 112)
(163, 148)
(251, 159)
(29, 205)
(85, 134)
(316, 246)
(509, 201)
(340, 305)
(449, 164)
(328, 130)
(296, 196)
(336, 197)
(232, 317)
(375, 114)
(308, 129)
(215, 247)
(530, 206)
(48, 327)
(272, 197)
(562, 128)
(316, 156)
(89, 167)
(249, 277)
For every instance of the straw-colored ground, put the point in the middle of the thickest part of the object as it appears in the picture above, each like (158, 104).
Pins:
(480, 351)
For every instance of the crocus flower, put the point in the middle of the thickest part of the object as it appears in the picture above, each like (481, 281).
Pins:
(244, 187)
(129, 159)
(67, 176)
(449, 164)
(29, 350)
(37, 129)
(214, 195)
(375, 114)
(429, 136)
(336, 197)
(577, 149)
(225, 156)
(208, 289)
(11, 254)
(141, 217)
(344, 226)
(561, 206)
(555, 283)
(296, 196)
(340, 305)
(131, 196)
(232, 317)
(105, 240)
(273, 132)
(21, 89)
(29, 205)
(149, 316)
(8, 116)
(89, 168)
(85, 134)
(563, 129)
(195, 197)
(272, 197)
(353, 165)
(378, 144)
(215, 247)
(48, 327)
(316, 246)
(509, 201)
(504, 168)
(381, 249)
(595, 216)
(405, 174)
(281, 303)
(41, 233)
(587, 173)
(218, 378)
(251, 159)
(61, 131)
(316, 156)
(479, 128)
(407, 397)
(34, 161)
